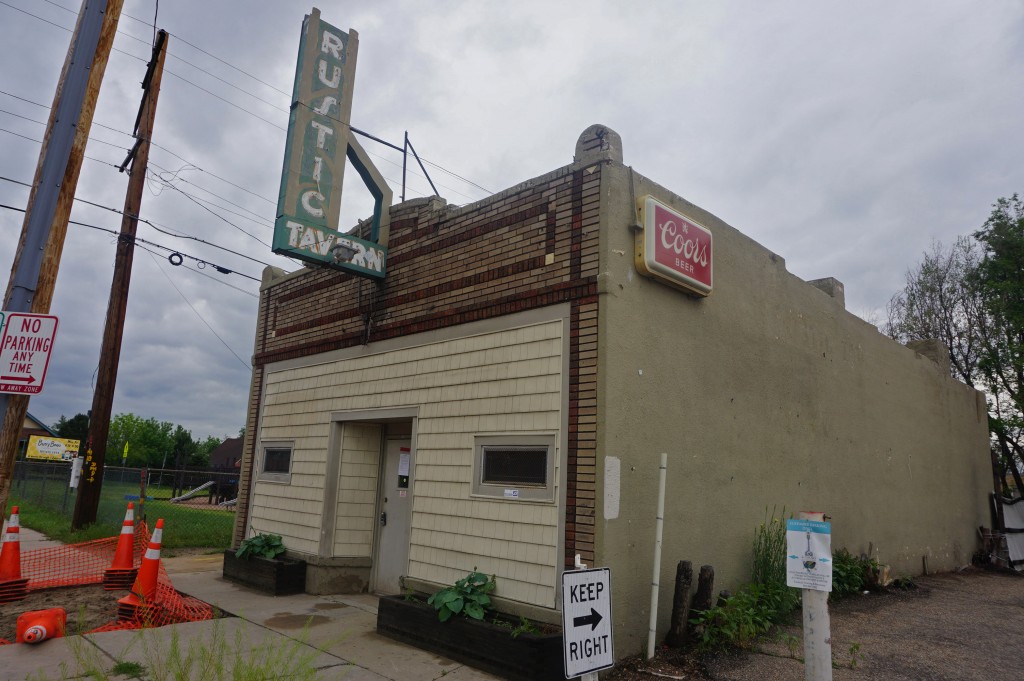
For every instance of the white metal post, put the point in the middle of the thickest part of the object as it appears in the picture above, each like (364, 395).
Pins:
(656, 574)
(817, 628)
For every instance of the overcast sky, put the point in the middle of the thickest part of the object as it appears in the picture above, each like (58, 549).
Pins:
(845, 137)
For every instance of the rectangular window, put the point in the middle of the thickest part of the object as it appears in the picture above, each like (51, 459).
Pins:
(276, 462)
(515, 467)
(522, 466)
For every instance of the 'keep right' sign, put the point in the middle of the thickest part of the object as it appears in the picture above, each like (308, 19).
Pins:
(587, 621)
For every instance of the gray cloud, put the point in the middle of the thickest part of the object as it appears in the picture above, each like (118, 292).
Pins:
(843, 137)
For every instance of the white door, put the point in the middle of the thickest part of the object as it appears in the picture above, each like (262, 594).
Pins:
(395, 512)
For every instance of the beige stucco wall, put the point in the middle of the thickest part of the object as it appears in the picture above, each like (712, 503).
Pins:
(767, 394)
(504, 381)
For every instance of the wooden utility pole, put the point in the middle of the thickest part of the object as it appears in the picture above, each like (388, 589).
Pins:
(91, 484)
(37, 258)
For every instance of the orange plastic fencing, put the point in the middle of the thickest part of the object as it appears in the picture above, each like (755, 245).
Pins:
(85, 563)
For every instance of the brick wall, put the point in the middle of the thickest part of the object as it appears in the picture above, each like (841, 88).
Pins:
(528, 247)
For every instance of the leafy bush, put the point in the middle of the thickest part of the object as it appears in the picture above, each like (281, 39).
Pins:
(850, 573)
(469, 596)
(750, 614)
(739, 621)
(769, 567)
(262, 545)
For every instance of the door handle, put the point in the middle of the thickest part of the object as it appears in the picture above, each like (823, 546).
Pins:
(383, 518)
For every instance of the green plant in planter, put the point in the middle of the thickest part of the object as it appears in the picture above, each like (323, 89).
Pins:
(262, 546)
(468, 596)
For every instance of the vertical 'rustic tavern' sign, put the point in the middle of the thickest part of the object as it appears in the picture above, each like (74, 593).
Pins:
(673, 248)
(319, 140)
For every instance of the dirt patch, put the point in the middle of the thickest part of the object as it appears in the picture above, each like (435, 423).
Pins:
(941, 631)
(88, 607)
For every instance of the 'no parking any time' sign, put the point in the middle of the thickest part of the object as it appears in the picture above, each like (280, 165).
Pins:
(25, 344)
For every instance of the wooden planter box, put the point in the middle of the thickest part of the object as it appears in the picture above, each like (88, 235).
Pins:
(279, 576)
(485, 646)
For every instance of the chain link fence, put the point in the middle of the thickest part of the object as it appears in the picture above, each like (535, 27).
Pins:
(197, 505)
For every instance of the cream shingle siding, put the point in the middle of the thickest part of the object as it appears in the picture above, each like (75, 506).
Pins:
(357, 489)
(494, 383)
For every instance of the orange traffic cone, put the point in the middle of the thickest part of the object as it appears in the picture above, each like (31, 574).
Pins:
(38, 625)
(12, 586)
(122, 573)
(142, 599)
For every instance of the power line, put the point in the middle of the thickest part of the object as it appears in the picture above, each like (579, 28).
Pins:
(47, 107)
(175, 175)
(159, 228)
(194, 310)
(43, 123)
(217, 215)
(184, 61)
(239, 107)
(32, 139)
(163, 229)
(203, 274)
(223, 270)
(220, 281)
(154, 144)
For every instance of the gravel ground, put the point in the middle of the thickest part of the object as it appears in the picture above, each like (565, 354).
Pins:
(953, 627)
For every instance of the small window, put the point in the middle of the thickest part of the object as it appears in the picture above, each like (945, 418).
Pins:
(277, 462)
(515, 467)
(523, 466)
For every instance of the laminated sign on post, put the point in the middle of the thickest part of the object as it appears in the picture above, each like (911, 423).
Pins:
(587, 621)
(809, 554)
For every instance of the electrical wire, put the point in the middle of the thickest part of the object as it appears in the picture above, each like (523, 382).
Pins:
(168, 176)
(213, 94)
(163, 229)
(217, 215)
(245, 110)
(194, 310)
(43, 123)
(219, 268)
(153, 144)
(32, 139)
(237, 106)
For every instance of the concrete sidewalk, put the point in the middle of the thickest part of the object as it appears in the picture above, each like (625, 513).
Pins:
(338, 633)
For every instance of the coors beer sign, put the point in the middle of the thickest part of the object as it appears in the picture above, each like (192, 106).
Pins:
(673, 248)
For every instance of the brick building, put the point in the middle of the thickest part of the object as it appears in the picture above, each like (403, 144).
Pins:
(501, 398)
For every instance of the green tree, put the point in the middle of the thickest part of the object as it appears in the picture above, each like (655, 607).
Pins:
(184, 447)
(1000, 280)
(74, 428)
(941, 300)
(971, 297)
(149, 441)
(203, 449)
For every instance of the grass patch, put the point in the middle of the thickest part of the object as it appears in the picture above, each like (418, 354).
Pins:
(132, 670)
(45, 509)
(215, 657)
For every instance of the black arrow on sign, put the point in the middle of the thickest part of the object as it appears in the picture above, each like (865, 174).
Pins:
(592, 619)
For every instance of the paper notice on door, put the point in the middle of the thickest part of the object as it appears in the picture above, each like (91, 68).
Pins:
(403, 463)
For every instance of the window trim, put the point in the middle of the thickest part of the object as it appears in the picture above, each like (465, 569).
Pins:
(541, 493)
(284, 477)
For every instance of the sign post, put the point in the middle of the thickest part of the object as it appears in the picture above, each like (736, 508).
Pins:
(809, 567)
(587, 622)
(25, 351)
